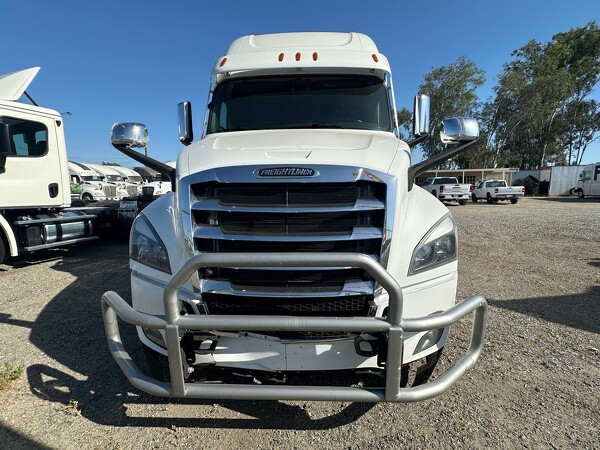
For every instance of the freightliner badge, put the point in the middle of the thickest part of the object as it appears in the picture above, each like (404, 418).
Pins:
(286, 172)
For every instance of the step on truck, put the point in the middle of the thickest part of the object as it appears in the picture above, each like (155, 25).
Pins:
(35, 181)
(295, 239)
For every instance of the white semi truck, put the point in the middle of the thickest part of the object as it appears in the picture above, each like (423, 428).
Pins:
(131, 178)
(295, 239)
(86, 184)
(35, 180)
(588, 183)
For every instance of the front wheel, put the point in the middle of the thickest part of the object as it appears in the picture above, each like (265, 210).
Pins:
(474, 198)
(514, 200)
(157, 363)
(580, 193)
(87, 197)
(489, 198)
(2, 250)
(462, 202)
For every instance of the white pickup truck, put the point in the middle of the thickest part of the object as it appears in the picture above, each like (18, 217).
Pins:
(495, 190)
(448, 189)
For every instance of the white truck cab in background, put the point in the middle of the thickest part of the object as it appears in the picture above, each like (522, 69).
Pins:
(589, 181)
(131, 177)
(35, 186)
(86, 184)
(113, 177)
(295, 239)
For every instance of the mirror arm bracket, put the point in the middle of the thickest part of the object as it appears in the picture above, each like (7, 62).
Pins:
(417, 169)
(160, 167)
(417, 140)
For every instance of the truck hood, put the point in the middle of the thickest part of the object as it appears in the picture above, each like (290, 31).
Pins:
(375, 150)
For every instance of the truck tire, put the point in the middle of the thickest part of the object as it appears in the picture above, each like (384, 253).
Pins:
(474, 198)
(580, 193)
(87, 197)
(157, 363)
(2, 249)
(462, 202)
(489, 198)
(514, 200)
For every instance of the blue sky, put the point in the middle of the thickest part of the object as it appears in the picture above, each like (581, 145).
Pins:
(133, 61)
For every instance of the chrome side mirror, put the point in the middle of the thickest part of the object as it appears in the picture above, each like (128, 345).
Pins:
(184, 116)
(129, 135)
(421, 115)
(459, 130)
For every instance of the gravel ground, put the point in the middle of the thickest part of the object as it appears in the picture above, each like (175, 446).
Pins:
(535, 386)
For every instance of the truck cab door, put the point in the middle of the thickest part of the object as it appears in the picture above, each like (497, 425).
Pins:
(33, 173)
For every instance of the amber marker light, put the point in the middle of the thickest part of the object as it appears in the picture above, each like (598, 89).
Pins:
(223, 61)
(315, 56)
(375, 58)
(298, 56)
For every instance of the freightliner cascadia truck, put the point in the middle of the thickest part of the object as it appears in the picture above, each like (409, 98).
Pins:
(295, 239)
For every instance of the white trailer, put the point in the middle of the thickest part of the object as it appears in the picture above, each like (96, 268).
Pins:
(295, 239)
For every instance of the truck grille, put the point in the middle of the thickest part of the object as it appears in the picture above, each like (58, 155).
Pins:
(288, 217)
(132, 191)
(110, 191)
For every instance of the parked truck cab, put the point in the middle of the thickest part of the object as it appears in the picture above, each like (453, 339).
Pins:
(589, 181)
(296, 239)
(86, 184)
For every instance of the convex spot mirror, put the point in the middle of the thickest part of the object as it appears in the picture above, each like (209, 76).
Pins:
(129, 135)
(459, 130)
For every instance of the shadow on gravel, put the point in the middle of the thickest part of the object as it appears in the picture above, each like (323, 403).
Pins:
(70, 330)
(579, 311)
(18, 441)
(567, 199)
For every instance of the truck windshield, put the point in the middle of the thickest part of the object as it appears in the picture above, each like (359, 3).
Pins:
(114, 178)
(91, 178)
(305, 101)
(134, 178)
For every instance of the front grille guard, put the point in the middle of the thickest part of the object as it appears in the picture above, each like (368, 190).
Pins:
(114, 307)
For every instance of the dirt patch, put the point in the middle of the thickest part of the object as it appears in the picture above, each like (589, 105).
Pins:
(535, 386)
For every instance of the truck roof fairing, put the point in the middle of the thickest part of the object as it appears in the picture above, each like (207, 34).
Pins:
(12, 85)
(304, 51)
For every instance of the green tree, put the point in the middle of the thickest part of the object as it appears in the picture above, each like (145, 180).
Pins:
(451, 90)
(404, 117)
(539, 105)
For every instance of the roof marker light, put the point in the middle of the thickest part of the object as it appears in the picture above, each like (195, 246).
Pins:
(223, 61)
(298, 56)
(280, 57)
(315, 56)
(375, 58)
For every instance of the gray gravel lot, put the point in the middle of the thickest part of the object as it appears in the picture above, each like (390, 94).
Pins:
(535, 386)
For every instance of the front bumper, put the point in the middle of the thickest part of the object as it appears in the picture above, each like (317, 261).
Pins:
(394, 327)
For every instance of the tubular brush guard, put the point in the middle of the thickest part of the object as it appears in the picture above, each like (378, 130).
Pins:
(113, 307)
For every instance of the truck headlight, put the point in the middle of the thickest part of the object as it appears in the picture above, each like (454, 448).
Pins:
(436, 248)
(146, 247)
